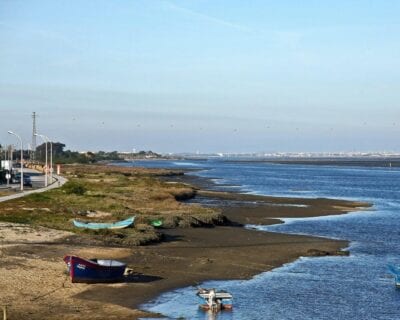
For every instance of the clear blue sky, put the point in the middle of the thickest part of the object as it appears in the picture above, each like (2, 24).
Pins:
(207, 75)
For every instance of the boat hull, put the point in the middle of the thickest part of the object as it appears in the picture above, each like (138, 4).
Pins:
(96, 226)
(89, 271)
(206, 307)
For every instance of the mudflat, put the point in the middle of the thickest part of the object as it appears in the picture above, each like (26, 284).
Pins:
(34, 283)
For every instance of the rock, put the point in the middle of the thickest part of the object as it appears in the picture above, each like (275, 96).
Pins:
(321, 253)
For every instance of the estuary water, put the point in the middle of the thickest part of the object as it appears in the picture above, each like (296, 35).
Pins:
(354, 287)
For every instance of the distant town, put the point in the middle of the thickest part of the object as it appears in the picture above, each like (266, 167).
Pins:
(51, 152)
(289, 155)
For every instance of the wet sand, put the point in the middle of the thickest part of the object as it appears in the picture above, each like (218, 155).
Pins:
(34, 284)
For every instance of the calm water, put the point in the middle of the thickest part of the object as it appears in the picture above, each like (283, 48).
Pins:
(355, 287)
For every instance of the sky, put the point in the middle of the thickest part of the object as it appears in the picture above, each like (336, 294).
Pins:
(202, 75)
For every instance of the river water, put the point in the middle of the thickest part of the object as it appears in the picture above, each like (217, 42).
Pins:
(354, 287)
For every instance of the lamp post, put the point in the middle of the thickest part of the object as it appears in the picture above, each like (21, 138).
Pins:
(22, 159)
(7, 157)
(51, 159)
(45, 171)
(11, 154)
(11, 163)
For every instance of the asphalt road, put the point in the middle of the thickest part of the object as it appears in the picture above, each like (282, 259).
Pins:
(37, 184)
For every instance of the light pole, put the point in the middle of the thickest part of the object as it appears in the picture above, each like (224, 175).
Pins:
(22, 159)
(51, 159)
(6, 157)
(10, 154)
(45, 171)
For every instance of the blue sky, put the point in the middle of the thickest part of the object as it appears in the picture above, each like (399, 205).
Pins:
(206, 75)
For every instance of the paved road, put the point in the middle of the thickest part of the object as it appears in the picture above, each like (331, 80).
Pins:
(58, 182)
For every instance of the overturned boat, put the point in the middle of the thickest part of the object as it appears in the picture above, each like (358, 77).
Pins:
(94, 270)
(215, 300)
(99, 225)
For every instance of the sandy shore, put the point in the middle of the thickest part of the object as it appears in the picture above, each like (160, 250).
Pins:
(34, 284)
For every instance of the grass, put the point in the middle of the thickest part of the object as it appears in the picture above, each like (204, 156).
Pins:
(6, 192)
(113, 193)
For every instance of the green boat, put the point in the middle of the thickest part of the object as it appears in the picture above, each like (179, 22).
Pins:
(113, 225)
(156, 223)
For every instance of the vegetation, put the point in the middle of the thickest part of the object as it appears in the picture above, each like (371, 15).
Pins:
(68, 157)
(108, 193)
(74, 187)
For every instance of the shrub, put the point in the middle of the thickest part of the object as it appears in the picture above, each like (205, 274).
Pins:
(72, 187)
(38, 197)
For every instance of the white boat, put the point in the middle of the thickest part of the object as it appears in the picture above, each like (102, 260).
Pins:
(215, 300)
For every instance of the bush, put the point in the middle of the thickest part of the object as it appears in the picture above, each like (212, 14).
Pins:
(39, 197)
(77, 188)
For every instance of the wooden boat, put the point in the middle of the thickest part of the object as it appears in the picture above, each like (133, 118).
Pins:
(94, 270)
(96, 226)
(396, 272)
(215, 300)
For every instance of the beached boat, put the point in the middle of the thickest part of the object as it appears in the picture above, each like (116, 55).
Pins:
(94, 270)
(215, 300)
(97, 225)
(396, 272)
(157, 223)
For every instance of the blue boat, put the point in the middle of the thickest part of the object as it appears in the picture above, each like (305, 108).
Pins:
(94, 270)
(96, 226)
(396, 272)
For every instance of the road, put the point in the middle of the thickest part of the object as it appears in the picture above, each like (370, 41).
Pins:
(37, 180)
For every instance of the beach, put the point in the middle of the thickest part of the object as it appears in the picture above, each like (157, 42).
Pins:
(36, 285)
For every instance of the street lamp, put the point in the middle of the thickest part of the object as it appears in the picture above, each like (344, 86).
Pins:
(51, 159)
(22, 159)
(45, 171)
(51, 155)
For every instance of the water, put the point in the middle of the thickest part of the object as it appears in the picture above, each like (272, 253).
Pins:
(355, 287)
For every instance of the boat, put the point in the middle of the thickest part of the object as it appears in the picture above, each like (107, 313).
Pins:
(94, 270)
(396, 272)
(97, 225)
(157, 223)
(215, 300)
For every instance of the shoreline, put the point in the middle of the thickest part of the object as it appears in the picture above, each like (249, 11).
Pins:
(185, 257)
(243, 214)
